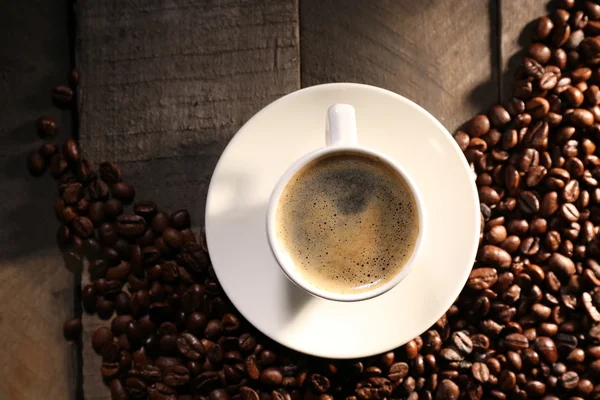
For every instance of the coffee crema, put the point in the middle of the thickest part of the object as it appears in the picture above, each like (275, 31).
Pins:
(348, 221)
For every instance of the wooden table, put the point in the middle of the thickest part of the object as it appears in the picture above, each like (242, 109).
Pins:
(166, 84)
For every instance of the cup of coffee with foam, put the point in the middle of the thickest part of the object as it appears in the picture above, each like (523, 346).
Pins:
(345, 222)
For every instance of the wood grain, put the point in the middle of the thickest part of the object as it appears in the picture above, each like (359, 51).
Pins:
(166, 84)
(442, 54)
(517, 20)
(36, 291)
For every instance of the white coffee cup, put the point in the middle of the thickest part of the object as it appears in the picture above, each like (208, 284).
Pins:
(340, 137)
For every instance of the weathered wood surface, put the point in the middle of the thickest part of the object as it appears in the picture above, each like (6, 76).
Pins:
(442, 54)
(517, 21)
(36, 291)
(164, 87)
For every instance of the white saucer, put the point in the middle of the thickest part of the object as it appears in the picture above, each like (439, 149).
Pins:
(236, 222)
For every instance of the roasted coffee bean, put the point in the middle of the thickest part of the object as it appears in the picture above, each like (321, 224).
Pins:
(36, 164)
(62, 96)
(48, 150)
(160, 391)
(516, 341)
(528, 202)
(190, 347)
(70, 151)
(123, 191)
(96, 213)
(101, 337)
(160, 222)
(480, 372)
(83, 227)
(117, 391)
(173, 238)
(72, 329)
(561, 265)
(482, 278)
(131, 225)
(271, 376)
(58, 166)
(45, 127)
(104, 307)
(97, 191)
(448, 390)
(180, 220)
(146, 209)
(113, 208)
(110, 172)
(478, 126)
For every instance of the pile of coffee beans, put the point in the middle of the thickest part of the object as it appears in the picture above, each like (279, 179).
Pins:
(526, 326)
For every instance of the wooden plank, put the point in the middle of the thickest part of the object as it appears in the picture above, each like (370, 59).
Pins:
(440, 53)
(517, 21)
(164, 87)
(36, 291)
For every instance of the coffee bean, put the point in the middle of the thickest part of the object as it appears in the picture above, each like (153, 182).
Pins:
(62, 96)
(589, 306)
(131, 225)
(482, 278)
(528, 202)
(48, 150)
(45, 127)
(83, 227)
(561, 265)
(543, 28)
(110, 172)
(532, 68)
(539, 52)
(569, 212)
(70, 151)
(318, 383)
(97, 191)
(571, 191)
(160, 391)
(190, 347)
(194, 258)
(108, 233)
(498, 116)
(101, 337)
(447, 390)
(271, 376)
(173, 238)
(72, 329)
(535, 175)
(494, 256)
(36, 164)
(180, 219)
(581, 118)
(123, 191)
(516, 341)
(548, 80)
(478, 126)
(113, 208)
(560, 34)
(72, 193)
(117, 391)
(146, 209)
(480, 372)
(160, 222)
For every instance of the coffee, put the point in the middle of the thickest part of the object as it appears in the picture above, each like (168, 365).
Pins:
(348, 221)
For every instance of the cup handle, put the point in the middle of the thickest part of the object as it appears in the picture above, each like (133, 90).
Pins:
(340, 128)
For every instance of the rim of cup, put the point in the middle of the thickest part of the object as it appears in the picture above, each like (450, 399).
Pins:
(285, 261)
